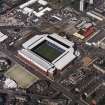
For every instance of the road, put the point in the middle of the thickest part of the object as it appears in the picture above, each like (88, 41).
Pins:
(37, 72)
(54, 84)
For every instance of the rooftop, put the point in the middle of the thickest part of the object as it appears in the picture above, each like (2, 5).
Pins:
(49, 51)
(37, 7)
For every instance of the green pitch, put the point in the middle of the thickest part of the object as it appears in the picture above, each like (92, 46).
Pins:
(47, 51)
(23, 78)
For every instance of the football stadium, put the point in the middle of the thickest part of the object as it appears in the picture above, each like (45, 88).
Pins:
(49, 52)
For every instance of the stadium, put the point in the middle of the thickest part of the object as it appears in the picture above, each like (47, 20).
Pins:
(48, 52)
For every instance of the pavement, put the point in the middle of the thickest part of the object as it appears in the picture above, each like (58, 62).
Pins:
(12, 54)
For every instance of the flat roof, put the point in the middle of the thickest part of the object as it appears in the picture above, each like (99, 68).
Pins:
(38, 10)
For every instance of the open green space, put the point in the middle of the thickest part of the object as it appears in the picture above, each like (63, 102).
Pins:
(48, 51)
(23, 78)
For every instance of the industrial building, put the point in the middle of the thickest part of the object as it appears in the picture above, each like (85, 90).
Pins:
(95, 15)
(86, 30)
(49, 52)
(3, 37)
(36, 7)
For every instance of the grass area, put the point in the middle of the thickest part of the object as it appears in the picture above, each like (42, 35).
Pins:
(23, 77)
(47, 51)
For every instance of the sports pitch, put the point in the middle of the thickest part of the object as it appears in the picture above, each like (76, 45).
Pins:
(47, 50)
(23, 78)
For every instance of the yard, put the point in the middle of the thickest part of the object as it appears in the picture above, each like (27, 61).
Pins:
(23, 78)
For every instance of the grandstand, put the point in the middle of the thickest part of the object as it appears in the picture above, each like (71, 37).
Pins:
(48, 52)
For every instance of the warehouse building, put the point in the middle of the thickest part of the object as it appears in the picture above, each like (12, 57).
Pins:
(3, 37)
(36, 7)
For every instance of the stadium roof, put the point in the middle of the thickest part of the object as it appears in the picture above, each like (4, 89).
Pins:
(57, 41)
(3, 37)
